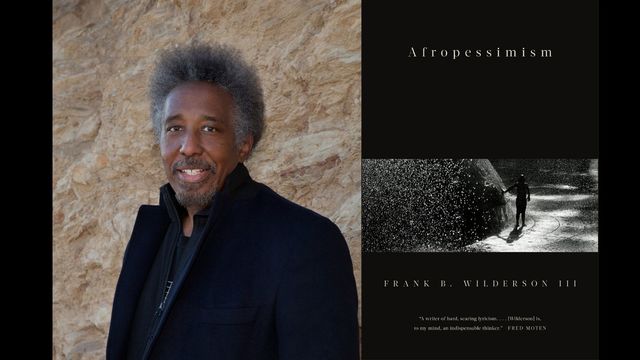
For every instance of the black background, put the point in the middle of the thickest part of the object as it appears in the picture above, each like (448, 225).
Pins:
(569, 314)
(480, 108)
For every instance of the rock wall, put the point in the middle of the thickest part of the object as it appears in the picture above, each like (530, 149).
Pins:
(106, 162)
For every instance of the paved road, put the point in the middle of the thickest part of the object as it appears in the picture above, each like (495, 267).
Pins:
(561, 217)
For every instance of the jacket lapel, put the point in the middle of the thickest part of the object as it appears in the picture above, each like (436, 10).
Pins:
(148, 232)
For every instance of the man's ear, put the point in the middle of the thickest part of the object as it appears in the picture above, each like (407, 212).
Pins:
(245, 148)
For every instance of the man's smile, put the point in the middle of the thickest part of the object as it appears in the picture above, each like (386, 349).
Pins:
(193, 175)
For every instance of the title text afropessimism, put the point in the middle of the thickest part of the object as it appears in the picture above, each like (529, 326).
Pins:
(454, 54)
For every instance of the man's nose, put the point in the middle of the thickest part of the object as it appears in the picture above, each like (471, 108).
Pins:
(191, 144)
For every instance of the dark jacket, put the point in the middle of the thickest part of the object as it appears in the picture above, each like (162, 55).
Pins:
(271, 280)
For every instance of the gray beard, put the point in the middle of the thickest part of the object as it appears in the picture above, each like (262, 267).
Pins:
(199, 200)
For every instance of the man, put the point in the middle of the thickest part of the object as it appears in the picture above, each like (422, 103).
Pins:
(225, 268)
(522, 197)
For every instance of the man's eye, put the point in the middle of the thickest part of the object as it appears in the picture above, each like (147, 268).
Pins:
(209, 129)
(173, 128)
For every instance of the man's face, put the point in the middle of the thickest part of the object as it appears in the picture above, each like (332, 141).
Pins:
(197, 142)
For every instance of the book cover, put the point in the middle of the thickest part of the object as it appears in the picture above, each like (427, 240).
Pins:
(480, 167)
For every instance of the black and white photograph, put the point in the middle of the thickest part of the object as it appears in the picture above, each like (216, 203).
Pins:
(480, 205)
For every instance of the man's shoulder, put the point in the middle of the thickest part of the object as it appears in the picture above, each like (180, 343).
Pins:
(288, 222)
(277, 206)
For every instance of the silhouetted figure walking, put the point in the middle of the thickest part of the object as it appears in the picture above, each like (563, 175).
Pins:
(522, 189)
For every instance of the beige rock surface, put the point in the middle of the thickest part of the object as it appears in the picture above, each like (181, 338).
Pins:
(106, 162)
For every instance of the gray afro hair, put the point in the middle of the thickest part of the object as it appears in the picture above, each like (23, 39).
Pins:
(218, 64)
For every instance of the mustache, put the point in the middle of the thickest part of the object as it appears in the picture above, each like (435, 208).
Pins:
(194, 163)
